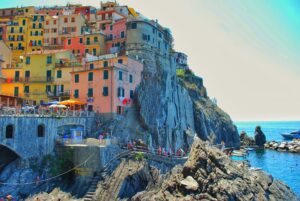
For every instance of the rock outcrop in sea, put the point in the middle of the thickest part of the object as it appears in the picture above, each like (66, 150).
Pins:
(210, 175)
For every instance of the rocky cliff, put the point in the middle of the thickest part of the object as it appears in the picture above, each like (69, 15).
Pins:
(210, 175)
(211, 122)
(174, 108)
(165, 108)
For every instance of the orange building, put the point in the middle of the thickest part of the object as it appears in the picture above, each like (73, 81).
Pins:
(93, 44)
(107, 83)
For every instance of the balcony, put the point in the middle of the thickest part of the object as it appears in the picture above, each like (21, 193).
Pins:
(67, 64)
(57, 94)
(91, 43)
(38, 79)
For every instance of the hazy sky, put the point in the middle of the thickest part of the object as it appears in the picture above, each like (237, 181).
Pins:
(248, 52)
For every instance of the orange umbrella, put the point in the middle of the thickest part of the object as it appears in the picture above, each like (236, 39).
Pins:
(71, 102)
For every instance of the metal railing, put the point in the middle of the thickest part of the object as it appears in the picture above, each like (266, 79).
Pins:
(33, 112)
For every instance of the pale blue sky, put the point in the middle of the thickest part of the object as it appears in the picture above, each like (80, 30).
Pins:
(246, 51)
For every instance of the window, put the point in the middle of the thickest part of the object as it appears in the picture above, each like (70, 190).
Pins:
(16, 91)
(131, 94)
(105, 75)
(9, 131)
(80, 40)
(26, 89)
(21, 29)
(35, 18)
(90, 76)
(159, 35)
(59, 74)
(94, 51)
(130, 78)
(76, 78)
(41, 130)
(133, 26)
(91, 66)
(90, 92)
(88, 41)
(49, 59)
(105, 63)
(33, 26)
(96, 39)
(48, 88)
(103, 27)
(54, 22)
(66, 20)
(69, 42)
(86, 51)
(105, 91)
(27, 74)
(120, 75)
(73, 19)
(145, 37)
(122, 34)
(40, 25)
(121, 92)
(76, 93)
(47, 22)
(27, 60)
(120, 61)
(111, 27)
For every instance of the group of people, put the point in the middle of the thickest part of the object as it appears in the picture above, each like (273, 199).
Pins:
(140, 145)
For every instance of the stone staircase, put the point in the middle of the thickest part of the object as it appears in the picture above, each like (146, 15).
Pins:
(93, 187)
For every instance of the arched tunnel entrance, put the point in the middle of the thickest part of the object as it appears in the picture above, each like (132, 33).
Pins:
(7, 156)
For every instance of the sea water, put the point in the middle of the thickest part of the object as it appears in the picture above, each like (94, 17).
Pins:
(281, 165)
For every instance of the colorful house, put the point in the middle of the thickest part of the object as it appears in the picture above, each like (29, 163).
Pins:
(107, 83)
(93, 44)
(16, 35)
(57, 28)
(35, 39)
(42, 76)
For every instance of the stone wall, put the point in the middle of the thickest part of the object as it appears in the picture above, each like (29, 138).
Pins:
(25, 141)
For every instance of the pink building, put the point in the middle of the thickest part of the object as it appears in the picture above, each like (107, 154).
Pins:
(115, 36)
(107, 84)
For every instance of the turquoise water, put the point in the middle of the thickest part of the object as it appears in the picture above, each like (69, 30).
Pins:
(283, 166)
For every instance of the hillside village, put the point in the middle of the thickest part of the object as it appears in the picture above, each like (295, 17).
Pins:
(77, 52)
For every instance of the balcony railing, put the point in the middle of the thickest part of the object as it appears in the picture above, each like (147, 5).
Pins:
(59, 94)
(68, 64)
(38, 79)
(91, 43)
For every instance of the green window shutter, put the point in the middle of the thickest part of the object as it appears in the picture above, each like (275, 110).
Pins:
(59, 74)
(77, 78)
(105, 74)
(90, 76)
(76, 93)
(27, 60)
(105, 91)
(90, 92)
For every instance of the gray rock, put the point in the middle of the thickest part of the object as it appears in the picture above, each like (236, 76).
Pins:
(226, 181)
(190, 183)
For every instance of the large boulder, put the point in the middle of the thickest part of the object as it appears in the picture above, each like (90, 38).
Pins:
(219, 178)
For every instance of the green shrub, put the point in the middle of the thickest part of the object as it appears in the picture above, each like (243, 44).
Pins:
(139, 156)
(180, 73)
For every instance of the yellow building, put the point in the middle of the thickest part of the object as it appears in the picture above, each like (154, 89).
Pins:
(41, 77)
(16, 35)
(35, 39)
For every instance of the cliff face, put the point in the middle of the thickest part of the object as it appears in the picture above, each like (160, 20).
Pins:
(211, 122)
(210, 175)
(165, 108)
(174, 108)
